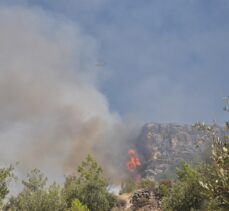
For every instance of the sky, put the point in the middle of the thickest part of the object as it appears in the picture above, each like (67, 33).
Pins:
(161, 61)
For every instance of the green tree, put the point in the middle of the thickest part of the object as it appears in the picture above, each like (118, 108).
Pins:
(164, 187)
(5, 176)
(214, 177)
(90, 187)
(206, 188)
(36, 181)
(34, 196)
(185, 195)
(78, 206)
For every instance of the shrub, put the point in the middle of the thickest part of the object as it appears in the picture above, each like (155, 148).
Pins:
(128, 186)
(164, 187)
(78, 206)
(147, 183)
(185, 194)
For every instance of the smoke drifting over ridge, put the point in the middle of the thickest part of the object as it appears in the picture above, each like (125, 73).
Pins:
(52, 114)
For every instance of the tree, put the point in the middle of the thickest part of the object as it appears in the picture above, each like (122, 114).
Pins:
(90, 187)
(206, 188)
(164, 187)
(185, 195)
(214, 177)
(78, 206)
(34, 196)
(5, 176)
(36, 181)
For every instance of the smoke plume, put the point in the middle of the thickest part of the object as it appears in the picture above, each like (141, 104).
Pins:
(52, 113)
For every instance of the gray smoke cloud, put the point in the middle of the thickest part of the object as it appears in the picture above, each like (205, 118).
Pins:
(52, 113)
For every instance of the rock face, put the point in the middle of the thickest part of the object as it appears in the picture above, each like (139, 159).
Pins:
(163, 146)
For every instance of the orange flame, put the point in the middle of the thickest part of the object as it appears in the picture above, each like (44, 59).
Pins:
(133, 161)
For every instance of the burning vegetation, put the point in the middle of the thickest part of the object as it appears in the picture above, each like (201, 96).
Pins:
(133, 161)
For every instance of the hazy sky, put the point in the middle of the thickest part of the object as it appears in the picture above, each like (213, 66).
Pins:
(164, 60)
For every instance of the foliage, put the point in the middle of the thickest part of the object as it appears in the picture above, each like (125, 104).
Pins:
(112, 199)
(89, 187)
(169, 173)
(36, 181)
(128, 186)
(70, 190)
(185, 194)
(5, 176)
(34, 196)
(164, 187)
(214, 177)
(78, 206)
(147, 183)
(206, 188)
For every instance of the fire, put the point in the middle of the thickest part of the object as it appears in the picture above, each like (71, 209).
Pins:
(133, 161)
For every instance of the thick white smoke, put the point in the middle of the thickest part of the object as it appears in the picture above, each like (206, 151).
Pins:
(52, 114)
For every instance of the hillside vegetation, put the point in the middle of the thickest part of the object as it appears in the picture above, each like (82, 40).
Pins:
(195, 184)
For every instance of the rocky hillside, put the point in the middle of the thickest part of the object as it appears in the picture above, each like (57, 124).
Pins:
(163, 146)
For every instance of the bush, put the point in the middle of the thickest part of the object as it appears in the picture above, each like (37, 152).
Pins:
(185, 194)
(128, 186)
(164, 187)
(78, 206)
(147, 183)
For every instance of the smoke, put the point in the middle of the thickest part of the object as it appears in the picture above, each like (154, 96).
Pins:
(52, 113)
